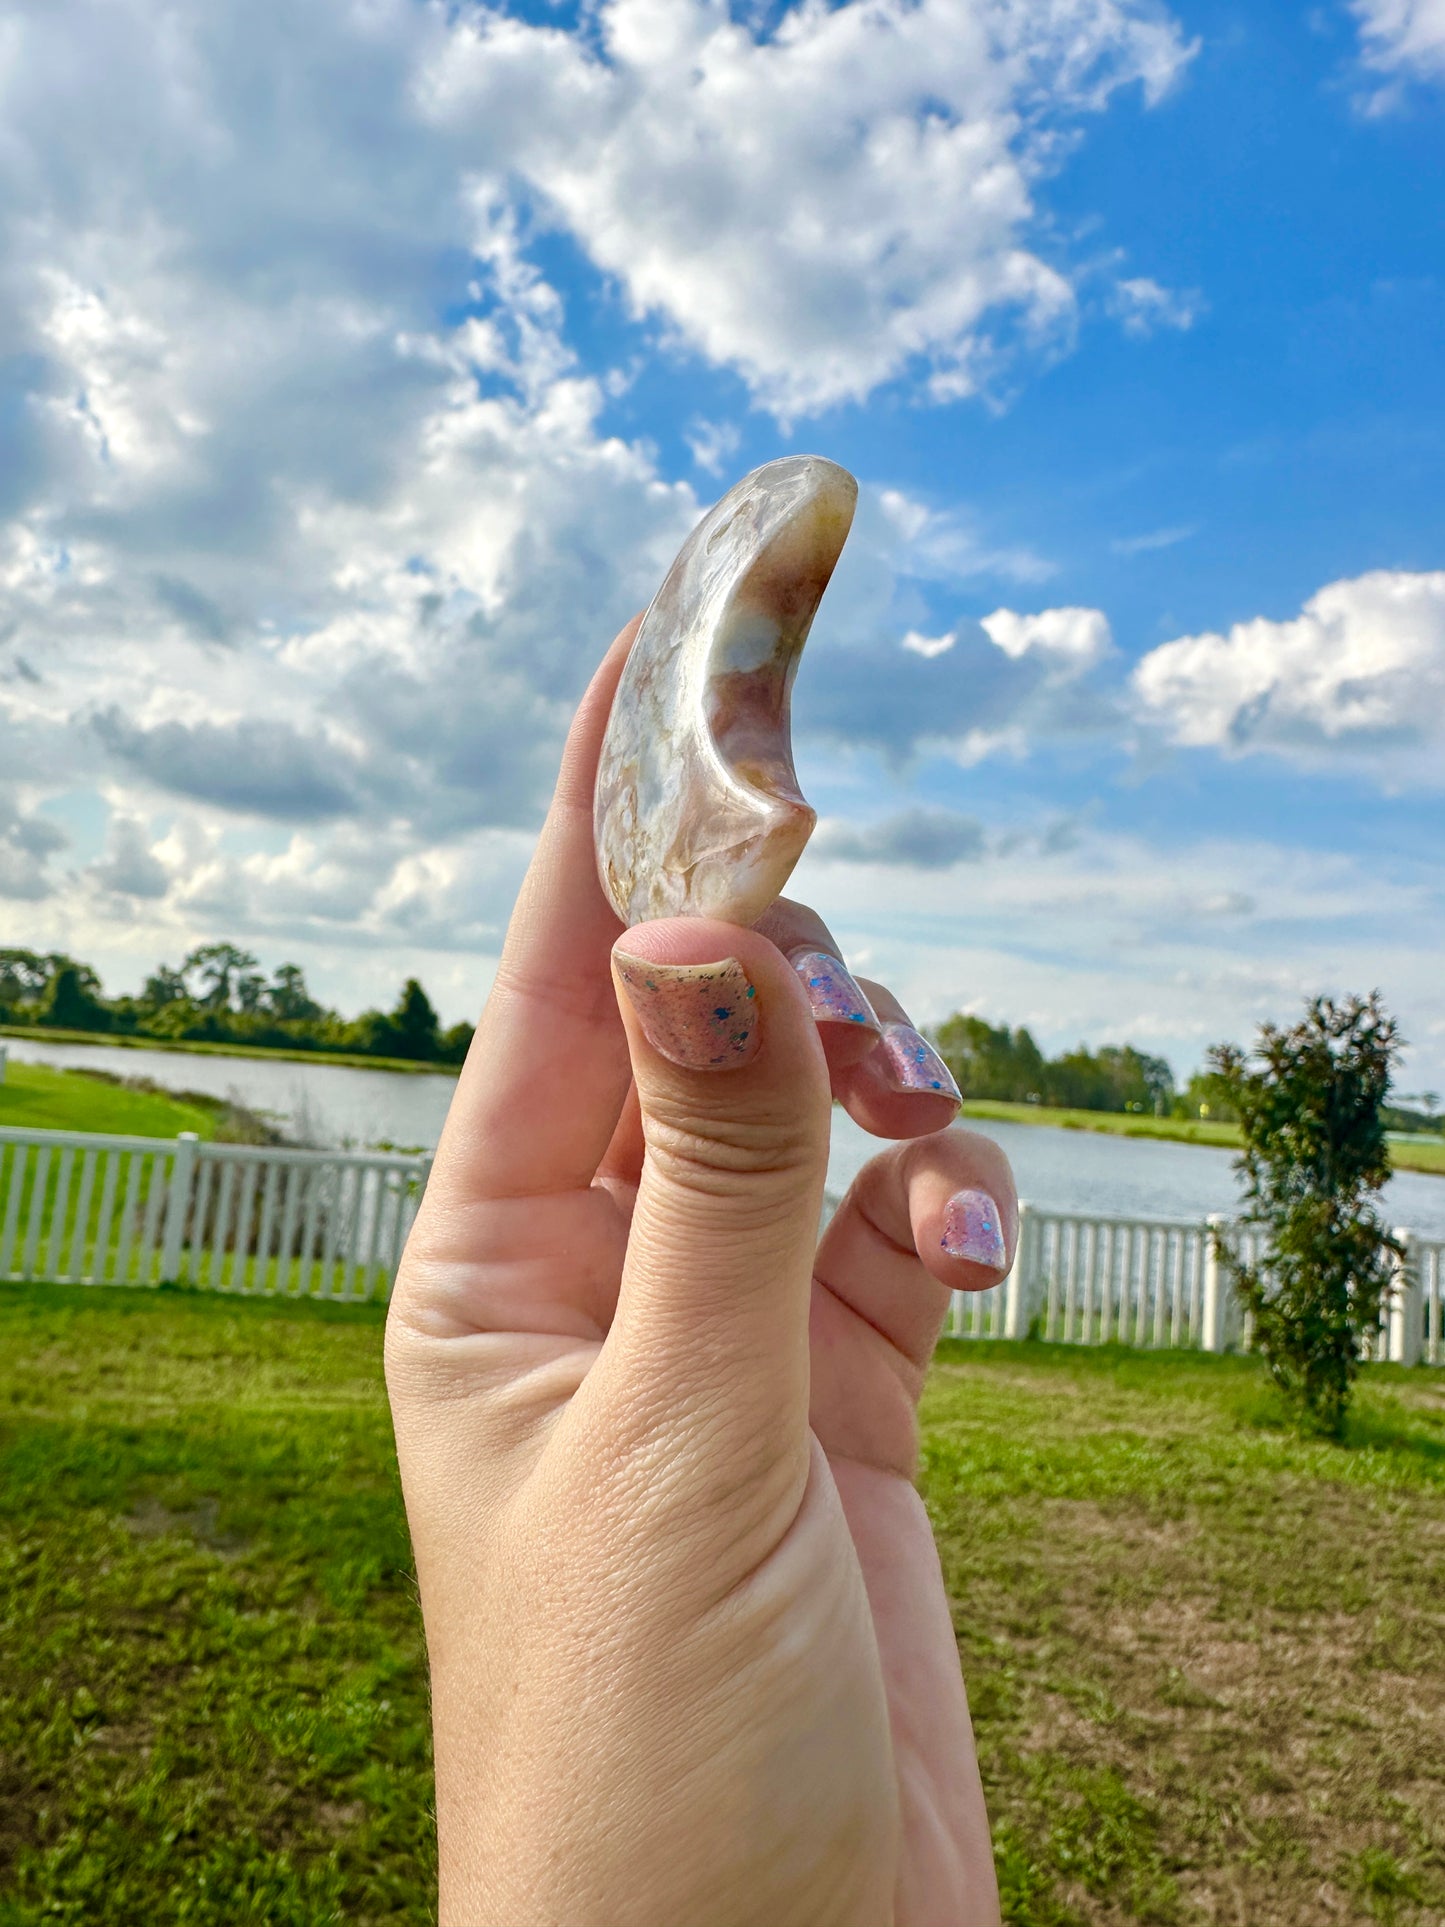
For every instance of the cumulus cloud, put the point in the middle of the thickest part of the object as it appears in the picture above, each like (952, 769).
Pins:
(130, 866)
(312, 521)
(1173, 945)
(27, 844)
(822, 206)
(916, 839)
(1401, 40)
(259, 766)
(1359, 674)
(1069, 640)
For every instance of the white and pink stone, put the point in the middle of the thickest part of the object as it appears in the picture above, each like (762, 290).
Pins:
(698, 811)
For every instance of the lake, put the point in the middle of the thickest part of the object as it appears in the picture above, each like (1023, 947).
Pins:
(1060, 1170)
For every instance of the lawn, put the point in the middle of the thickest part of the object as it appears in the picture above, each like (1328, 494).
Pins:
(1204, 1657)
(38, 1097)
(123, 1040)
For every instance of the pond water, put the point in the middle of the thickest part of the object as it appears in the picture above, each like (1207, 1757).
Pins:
(321, 1103)
(332, 1104)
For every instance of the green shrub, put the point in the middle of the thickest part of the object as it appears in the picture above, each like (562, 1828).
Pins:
(1311, 1106)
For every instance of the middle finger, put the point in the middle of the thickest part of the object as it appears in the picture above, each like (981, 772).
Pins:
(886, 1075)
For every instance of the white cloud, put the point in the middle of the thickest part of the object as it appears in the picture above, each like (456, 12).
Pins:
(1403, 40)
(1359, 674)
(1153, 539)
(944, 544)
(824, 206)
(130, 866)
(713, 445)
(1143, 307)
(929, 646)
(1109, 936)
(1069, 640)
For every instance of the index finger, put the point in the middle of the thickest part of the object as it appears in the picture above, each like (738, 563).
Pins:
(547, 1073)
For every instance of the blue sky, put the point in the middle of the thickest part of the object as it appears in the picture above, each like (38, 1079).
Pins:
(361, 367)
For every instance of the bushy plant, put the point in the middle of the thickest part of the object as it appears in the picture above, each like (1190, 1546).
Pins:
(1310, 1103)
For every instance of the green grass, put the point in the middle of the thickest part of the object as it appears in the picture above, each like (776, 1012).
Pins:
(115, 1040)
(1182, 1130)
(1204, 1656)
(1413, 1152)
(38, 1097)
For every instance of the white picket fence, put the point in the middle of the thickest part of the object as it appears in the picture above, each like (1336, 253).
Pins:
(1085, 1279)
(82, 1208)
(98, 1210)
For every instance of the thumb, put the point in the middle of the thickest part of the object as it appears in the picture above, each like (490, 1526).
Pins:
(711, 1326)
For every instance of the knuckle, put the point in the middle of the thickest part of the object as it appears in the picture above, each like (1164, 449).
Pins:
(710, 1154)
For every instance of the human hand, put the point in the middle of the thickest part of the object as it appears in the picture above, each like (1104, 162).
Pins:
(692, 1660)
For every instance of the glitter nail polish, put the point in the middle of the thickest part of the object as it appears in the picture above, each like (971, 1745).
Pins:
(972, 1229)
(912, 1064)
(832, 990)
(701, 1016)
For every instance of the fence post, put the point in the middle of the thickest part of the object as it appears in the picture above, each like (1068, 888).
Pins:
(1406, 1306)
(1215, 1287)
(1018, 1288)
(178, 1204)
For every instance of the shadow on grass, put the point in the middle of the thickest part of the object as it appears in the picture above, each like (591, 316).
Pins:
(1377, 1422)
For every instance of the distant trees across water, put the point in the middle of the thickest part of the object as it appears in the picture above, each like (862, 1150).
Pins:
(992, 1061)
(220, 995)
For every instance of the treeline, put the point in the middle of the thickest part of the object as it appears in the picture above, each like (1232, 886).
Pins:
(220, 995)
(994, 1061)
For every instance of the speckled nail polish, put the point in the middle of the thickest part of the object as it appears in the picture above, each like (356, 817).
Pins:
(972, 1229)
(912, 1064)
(702, 1016)
(832, 991)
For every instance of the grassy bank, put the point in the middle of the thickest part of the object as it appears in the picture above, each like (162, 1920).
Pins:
(115, 1041)
(1408, 1153)
(1180, 1130)
(37, 1097)
(1204, 1657)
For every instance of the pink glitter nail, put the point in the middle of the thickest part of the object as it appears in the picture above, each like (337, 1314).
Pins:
(832, 991)
(972, 1229)
(701, 1016)
(912, 1064)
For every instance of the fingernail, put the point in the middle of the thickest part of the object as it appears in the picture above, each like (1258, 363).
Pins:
(972, 1229)
(833, 993)
(912, 1064)
(702, 1016)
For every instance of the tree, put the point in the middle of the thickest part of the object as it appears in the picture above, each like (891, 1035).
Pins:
(288, 997)
(164, 986)
(1310, 1105)
(26, 975)
(1207, 1095)
(219, 966)
(414, 1023)
(989, 1062)
(72, 1001)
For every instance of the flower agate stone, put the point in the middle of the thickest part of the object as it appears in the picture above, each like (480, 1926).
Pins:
(698, 811)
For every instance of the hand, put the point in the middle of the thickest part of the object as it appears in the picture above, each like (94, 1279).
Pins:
(692, 1661)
